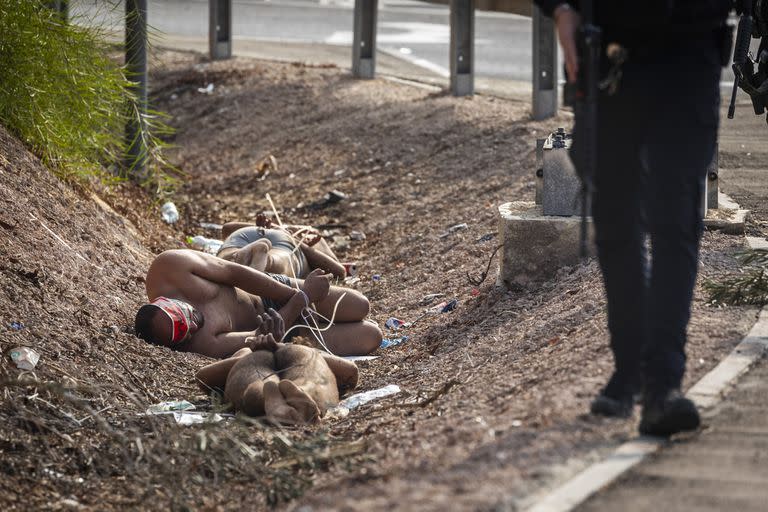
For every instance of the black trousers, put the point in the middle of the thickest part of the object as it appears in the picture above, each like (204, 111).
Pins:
(656, 134)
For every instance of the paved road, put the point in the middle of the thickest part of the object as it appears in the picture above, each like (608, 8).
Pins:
(416, 31)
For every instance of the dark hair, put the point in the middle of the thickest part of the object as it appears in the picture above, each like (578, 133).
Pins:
(144, 320)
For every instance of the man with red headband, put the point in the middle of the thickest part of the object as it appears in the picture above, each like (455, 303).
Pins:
(203, 304)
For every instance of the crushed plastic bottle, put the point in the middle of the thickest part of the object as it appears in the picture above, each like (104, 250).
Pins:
(393, 323)
(201, 243)
(391, 342)
(169, 213)
(359, 399)
(24, 357)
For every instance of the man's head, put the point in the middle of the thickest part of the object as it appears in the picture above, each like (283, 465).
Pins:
(168, 322)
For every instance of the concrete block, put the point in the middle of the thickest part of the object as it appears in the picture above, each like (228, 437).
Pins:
(535, 245)
(561, 187)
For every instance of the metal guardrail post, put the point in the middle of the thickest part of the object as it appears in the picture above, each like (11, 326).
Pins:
(462, 47)
(364, 40)
(544, 66)
(220, 29)
(61, 6)
(136, 67)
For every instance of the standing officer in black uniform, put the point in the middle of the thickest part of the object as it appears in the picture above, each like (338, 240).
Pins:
(656, 131)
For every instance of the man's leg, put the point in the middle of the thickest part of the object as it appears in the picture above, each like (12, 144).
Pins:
(347, 339)
(678, 152)
(617, 213)
(352, 306)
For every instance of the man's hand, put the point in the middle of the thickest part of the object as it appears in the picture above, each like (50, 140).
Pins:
(567, 22)
(317, 285)
(262, 342)
(270, 323)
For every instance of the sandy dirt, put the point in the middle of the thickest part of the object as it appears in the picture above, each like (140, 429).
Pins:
(494, 393)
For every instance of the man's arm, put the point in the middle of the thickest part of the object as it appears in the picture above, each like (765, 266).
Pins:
(192, 272)
(318, 259)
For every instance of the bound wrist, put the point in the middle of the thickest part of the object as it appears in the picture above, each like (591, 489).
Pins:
(304, 296)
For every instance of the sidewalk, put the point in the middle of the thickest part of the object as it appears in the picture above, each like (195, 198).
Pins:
(721, 469)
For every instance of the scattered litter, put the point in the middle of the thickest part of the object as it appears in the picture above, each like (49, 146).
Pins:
(340, 243)
(339, 172)
(165, 407)
(376, 278)
(24, 357)
(16, 326)
(359, 399)
(429, 299)
(360, 358)
(351, 281)
(350, 268)
(357, 235)
(444, 307)
(208, 89)
(196, 417)
(475, 292)
(517, 423)
(265, 166)
(169, 213)
(485, 237)
(391, 342)
(201, 243)
(453, 229)
(210, 225)
(393, 323)
(335, 196)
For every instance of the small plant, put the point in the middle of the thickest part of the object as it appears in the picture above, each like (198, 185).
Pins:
(67, 100)
(749, 286)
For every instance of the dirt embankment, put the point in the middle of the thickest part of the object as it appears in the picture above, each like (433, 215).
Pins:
(494, 393)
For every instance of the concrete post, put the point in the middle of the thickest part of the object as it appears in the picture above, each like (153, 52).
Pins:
(462, 47)
(544, 66)
(364, 40)
(136, 67)
(220, 29)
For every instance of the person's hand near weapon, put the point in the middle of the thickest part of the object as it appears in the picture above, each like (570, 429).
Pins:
(567, 21)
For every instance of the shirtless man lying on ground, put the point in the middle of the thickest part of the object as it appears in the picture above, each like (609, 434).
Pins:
(290, 250)
(290, 384)
(204, 304)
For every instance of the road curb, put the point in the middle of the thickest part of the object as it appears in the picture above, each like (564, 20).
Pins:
(706, 393)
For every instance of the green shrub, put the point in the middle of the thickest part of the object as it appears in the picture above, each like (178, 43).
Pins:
(66, 99)
(750, 286)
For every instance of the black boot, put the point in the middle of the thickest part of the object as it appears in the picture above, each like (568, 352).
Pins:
(617, 398)
(668, 412)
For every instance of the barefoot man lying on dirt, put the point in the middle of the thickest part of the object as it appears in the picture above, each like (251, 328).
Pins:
(290, 384)
(289, 250)
(204, 304)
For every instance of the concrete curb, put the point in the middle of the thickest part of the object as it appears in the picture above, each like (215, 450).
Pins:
(706, 393)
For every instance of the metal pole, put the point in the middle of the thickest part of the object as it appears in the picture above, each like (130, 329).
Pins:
(136, 68)
(462, 47)
(544, 66)
(220, 29)
(364, 40)
(61, 6)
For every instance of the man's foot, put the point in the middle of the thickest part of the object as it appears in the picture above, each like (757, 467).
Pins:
(604, 405)
(287, 404)
(616, 400)
(668, 413)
